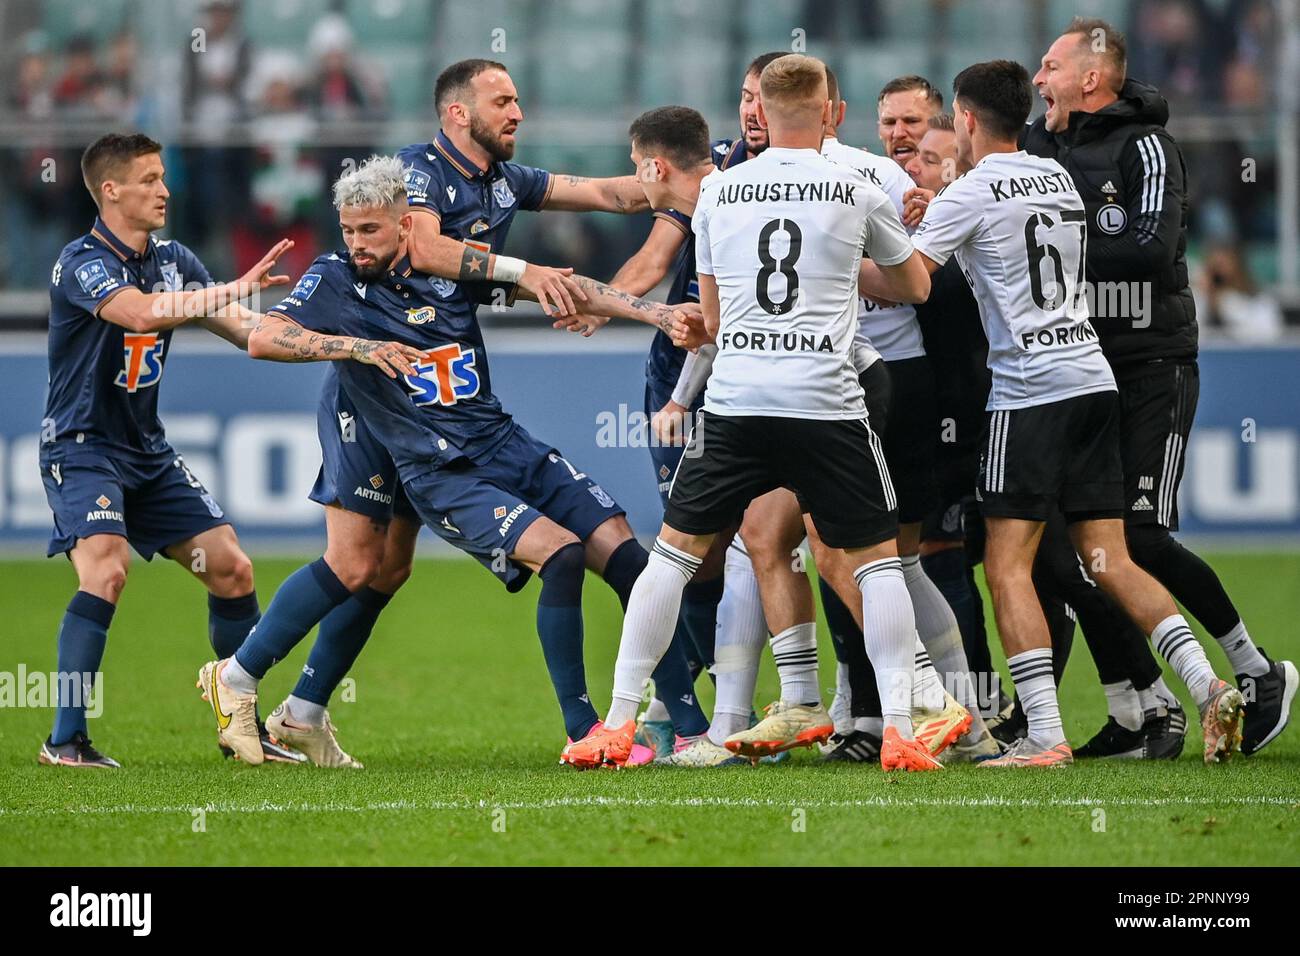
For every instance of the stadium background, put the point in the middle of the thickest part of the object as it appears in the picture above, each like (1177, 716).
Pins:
(450, 708)
(262, 104)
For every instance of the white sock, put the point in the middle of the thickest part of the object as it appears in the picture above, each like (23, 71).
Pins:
(309, 712)
(795, 651)
(738, 645)
(890, 636)
(1243, 655)
(1176, 644)
(1031, 672)
(648, 626)
(927, 688)
(236, 678)
(1124, 703)
(1166, 697)
(871, 725)
(841, 708)
(656, 711)
(937, 628)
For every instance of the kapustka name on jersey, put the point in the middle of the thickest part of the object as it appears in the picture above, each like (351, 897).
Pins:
(1024, 185)
(787, 192)
(775, 342)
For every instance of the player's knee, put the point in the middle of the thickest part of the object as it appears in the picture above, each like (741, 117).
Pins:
(392, 576)
(106, 578)
(238, 578)
(566, 563)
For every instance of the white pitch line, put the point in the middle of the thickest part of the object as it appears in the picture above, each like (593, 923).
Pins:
(653, 803)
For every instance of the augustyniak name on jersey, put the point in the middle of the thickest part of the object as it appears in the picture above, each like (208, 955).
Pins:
(1017, 186)
(840, 192)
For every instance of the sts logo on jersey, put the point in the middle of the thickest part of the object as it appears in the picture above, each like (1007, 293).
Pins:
(143, 354)
(446, 375)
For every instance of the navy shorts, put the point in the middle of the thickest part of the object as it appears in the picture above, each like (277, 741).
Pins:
(152, 505)
(356, 472)
(665, 457)
(483, 509)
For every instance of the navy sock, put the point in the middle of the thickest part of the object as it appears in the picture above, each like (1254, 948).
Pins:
(675, 688)
(951, 573)
(230, 620)
(624, 567)
(82, 637)
(343, 633)
(302, 601)
(699, 617)
(559, 626)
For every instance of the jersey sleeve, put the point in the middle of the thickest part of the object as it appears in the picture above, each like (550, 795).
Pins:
(887, 242)
(680, 220)
(1154, 192)
(317, 301)
(700, 226)
(531, 185)
(947, 224)
(90, 277)
(425, 188)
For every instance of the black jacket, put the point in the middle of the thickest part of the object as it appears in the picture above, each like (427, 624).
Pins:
(1133, 182)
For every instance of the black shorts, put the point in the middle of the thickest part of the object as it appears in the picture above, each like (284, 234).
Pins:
(1065, 453)
(911, 435)
(1155, 417)
(836, 467)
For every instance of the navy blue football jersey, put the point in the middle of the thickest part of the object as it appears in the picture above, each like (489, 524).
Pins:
(444, 412)
(104, 378)
(664, 363)
(473, 205)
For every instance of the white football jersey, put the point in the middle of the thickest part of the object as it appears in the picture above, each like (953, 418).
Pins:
(894, 333)
(1017, 226)
(783, 235)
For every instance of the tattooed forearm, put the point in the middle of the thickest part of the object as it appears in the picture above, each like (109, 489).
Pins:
(605, 300)
(473, 264)
(576, 180)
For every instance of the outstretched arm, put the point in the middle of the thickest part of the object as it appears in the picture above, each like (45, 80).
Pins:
(279, 339)
(440, 255)
(621, 194)
(139, 311)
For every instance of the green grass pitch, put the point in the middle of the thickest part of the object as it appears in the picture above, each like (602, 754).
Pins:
(455, 721)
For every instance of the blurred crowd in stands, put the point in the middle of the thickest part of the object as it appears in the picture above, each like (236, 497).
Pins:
(253, 168)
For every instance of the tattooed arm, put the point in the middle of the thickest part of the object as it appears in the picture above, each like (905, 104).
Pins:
(581, 194)
(604, 300)
(278, 339)
(449, 258)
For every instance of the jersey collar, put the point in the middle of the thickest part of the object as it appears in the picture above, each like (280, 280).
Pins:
(401, 269)
(459, 161)
(735, 156)
(120, 248)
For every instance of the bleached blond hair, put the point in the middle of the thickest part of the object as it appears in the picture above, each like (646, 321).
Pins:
(379, 181)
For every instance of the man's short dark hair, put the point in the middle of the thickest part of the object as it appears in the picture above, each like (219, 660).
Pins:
(1104, 41)
(677, 132)
(904, 84)
(760, 62)
(832, 90)
(454, 81)
(998, 93)
(107, 156)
